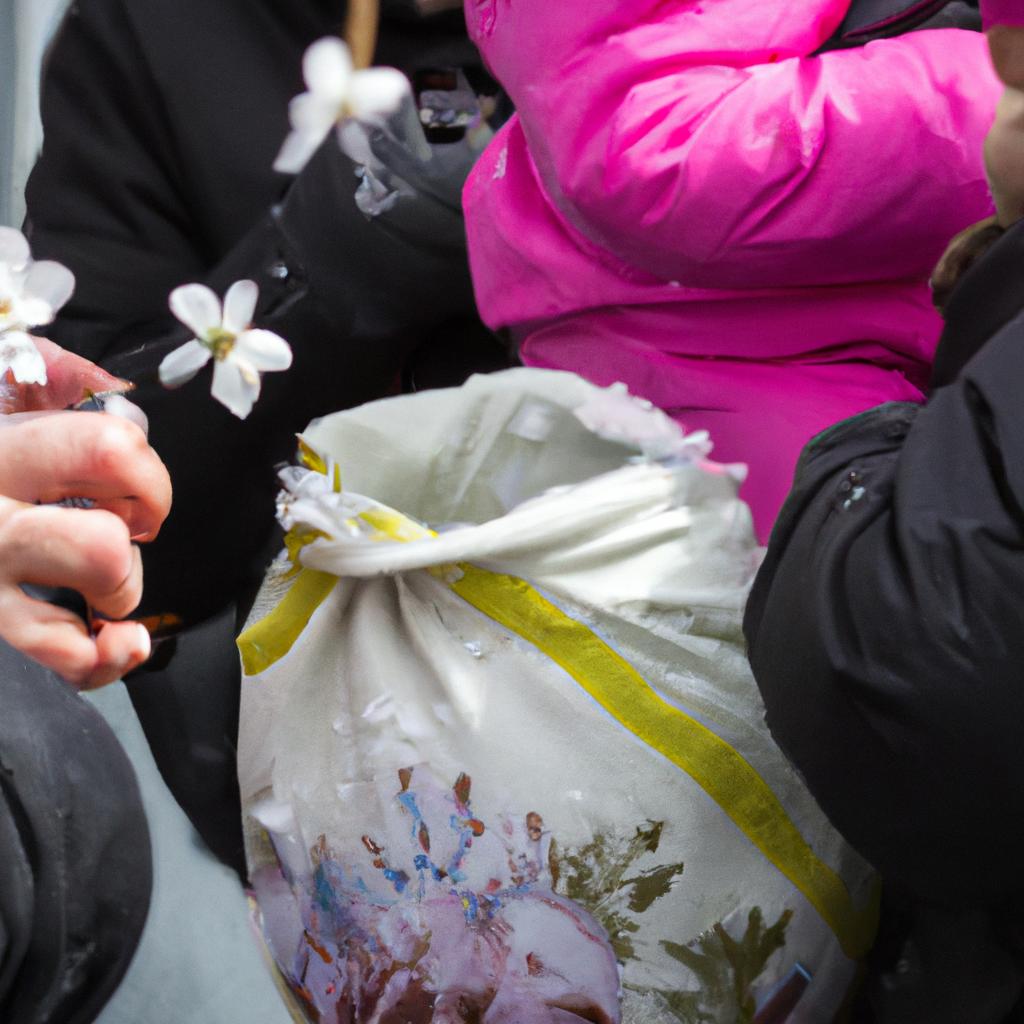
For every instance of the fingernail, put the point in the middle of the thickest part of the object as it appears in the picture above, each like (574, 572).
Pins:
(118, 405)
(145, 645)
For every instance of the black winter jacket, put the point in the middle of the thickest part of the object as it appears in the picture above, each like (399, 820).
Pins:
(74, 852)
(885, 632)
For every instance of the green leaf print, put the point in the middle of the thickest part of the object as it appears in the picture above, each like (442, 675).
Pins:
(598, 876)
(727, 969)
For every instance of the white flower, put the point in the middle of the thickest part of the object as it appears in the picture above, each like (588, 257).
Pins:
(336, 93)
(241, 353)
(19, 354)
(30, 294)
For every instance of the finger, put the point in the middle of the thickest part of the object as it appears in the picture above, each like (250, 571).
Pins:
(124, 508)
(90, 455)
(69, 379)
(120, 602)
(120, 647)
(60, 640)
(118, 405)
(55, 637)
(112, 405)
(88, 551)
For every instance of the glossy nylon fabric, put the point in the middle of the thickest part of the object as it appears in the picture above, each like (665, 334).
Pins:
(689, 202)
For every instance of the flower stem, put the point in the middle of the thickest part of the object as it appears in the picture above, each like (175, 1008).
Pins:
(361, 26)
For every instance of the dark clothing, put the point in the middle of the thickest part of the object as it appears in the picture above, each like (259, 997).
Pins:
(879, 19)
(885, 634)
(162, 121)
(75, 870)
(188, 707)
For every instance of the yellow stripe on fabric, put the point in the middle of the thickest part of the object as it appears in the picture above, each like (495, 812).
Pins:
(724, 774)
(267, 641)
(393, 526)
(273, 636)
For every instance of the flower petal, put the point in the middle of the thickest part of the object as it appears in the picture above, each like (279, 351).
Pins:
(197, 307)
(183, 363)
(296, 151)
(377, 92)
(354, 142)
(19, 354)
(234, 389)
(240, 306)
(25, 313)
(308, 112)
(264, 350)
(14, 250)
(47, 285)
(311, 119)
(327, 68)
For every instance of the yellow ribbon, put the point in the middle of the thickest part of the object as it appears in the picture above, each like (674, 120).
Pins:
(273, 636)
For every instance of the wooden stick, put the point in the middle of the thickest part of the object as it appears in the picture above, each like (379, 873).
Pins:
(361, 25)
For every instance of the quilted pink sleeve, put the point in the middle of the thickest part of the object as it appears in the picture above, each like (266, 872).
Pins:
(702, 141)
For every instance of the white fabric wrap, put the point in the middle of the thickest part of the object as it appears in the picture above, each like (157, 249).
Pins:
(398, 669)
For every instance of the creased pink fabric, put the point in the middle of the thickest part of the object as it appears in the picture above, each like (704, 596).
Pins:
(690, 203)
(1002, 12)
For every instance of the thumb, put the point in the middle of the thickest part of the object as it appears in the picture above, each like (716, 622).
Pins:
(69, 379)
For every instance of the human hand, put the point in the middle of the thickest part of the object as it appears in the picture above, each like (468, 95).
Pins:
(1004, 147)
(69, 379)
(44, 458)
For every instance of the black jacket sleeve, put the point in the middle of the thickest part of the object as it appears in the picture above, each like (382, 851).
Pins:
(137, 196)
(885, 633)
(75, 870)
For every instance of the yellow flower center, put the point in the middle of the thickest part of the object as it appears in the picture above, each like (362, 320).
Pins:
(220, 342)
(5, 307)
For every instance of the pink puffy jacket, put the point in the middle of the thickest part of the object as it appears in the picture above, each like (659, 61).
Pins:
(688, 202)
